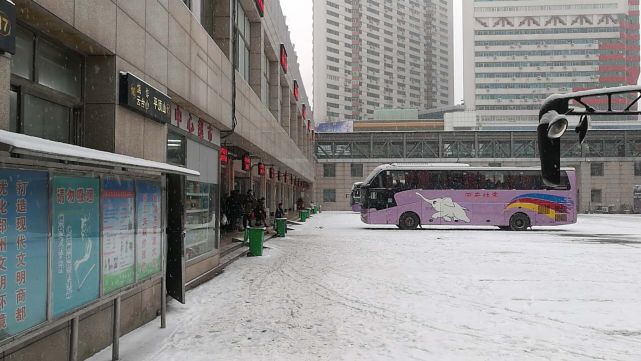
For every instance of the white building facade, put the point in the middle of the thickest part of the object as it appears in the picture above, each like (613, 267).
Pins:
(371, 55)
(516, 53)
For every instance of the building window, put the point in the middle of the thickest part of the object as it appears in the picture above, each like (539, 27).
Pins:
(188, 3)
(47, 120)
(242, 34)
(176, 149)
(329, 170)
(59, 69)
(357, 170)
(637, 168)
(596, 169)
(595, 196)
(329, 195)
(46, 89)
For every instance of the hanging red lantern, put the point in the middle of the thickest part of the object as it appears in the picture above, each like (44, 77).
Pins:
(224, 156)
(247, 163)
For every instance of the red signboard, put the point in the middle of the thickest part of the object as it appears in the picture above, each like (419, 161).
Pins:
(261, 169)
(296, 91)
(304, 111)
(247, 163)
(260, 5)
(224, 156)
(283, 58)
(271, 173)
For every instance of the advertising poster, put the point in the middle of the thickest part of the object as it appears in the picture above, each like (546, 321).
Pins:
(148, 230)
(24, 210)
(75, 231)
(117, 233)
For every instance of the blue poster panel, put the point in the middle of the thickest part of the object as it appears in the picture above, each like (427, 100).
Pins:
(117, 233)
(148, 230)
(75, 230)
(24, 210)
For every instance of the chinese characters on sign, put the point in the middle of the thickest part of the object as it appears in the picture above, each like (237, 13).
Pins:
(482, 194)
(148, 230)
(23, 250)
(193, 125)
(117, 233)
(76, 242)
(140, 97)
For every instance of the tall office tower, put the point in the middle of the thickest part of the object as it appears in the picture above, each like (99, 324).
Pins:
(516, 53)
(375, 54)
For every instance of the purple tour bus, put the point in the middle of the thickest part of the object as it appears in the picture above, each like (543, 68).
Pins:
(511, 198)
(355, 197)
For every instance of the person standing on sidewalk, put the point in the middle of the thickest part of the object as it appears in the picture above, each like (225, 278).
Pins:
(249, 206)
(280, 213)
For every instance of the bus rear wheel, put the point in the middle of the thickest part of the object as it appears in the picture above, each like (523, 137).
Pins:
(519, 222)
(408, 220)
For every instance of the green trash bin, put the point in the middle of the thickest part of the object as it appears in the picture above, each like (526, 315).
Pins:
(256, 238)
(301, 215)
(281, 227)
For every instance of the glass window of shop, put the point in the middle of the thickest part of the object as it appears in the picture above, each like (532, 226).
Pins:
(243, 35)
(46, 88)
(176, 149)
(201, 201)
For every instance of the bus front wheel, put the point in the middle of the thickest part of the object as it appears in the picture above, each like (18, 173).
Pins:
(519, 222)
(408, 220)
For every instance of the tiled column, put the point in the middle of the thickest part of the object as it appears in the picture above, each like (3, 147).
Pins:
(285, 108)
(222, 26)
(256, 54)
(5, 80)
(274, 89)
(293, 118)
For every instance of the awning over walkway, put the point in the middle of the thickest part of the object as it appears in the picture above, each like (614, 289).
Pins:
(34, 146)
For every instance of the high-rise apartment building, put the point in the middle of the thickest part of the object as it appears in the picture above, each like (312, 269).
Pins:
(373, 54)
(516, 53)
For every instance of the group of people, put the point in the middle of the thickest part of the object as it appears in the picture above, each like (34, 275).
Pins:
(242, 211)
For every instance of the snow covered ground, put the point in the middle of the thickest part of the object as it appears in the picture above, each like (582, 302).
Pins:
(336, 289)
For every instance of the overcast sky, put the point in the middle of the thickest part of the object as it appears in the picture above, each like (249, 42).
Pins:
(299, 19)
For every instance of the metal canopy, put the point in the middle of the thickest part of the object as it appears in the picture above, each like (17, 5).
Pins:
(34, 146)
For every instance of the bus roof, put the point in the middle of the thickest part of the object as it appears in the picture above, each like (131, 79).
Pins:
(444, 166)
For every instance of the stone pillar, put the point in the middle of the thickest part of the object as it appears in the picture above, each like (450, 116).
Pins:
(222, 26)
(285, 108)
(5, 86)
(100, 105)
(256, 54)
(274, 89)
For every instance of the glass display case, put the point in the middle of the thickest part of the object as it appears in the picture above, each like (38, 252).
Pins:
(200, 218)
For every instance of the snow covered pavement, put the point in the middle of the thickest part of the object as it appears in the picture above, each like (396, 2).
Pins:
(337, 289)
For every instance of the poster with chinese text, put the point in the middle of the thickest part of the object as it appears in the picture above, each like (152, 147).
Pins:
(117, 233)
(75, 231)
(148, 230)
(24, 210)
